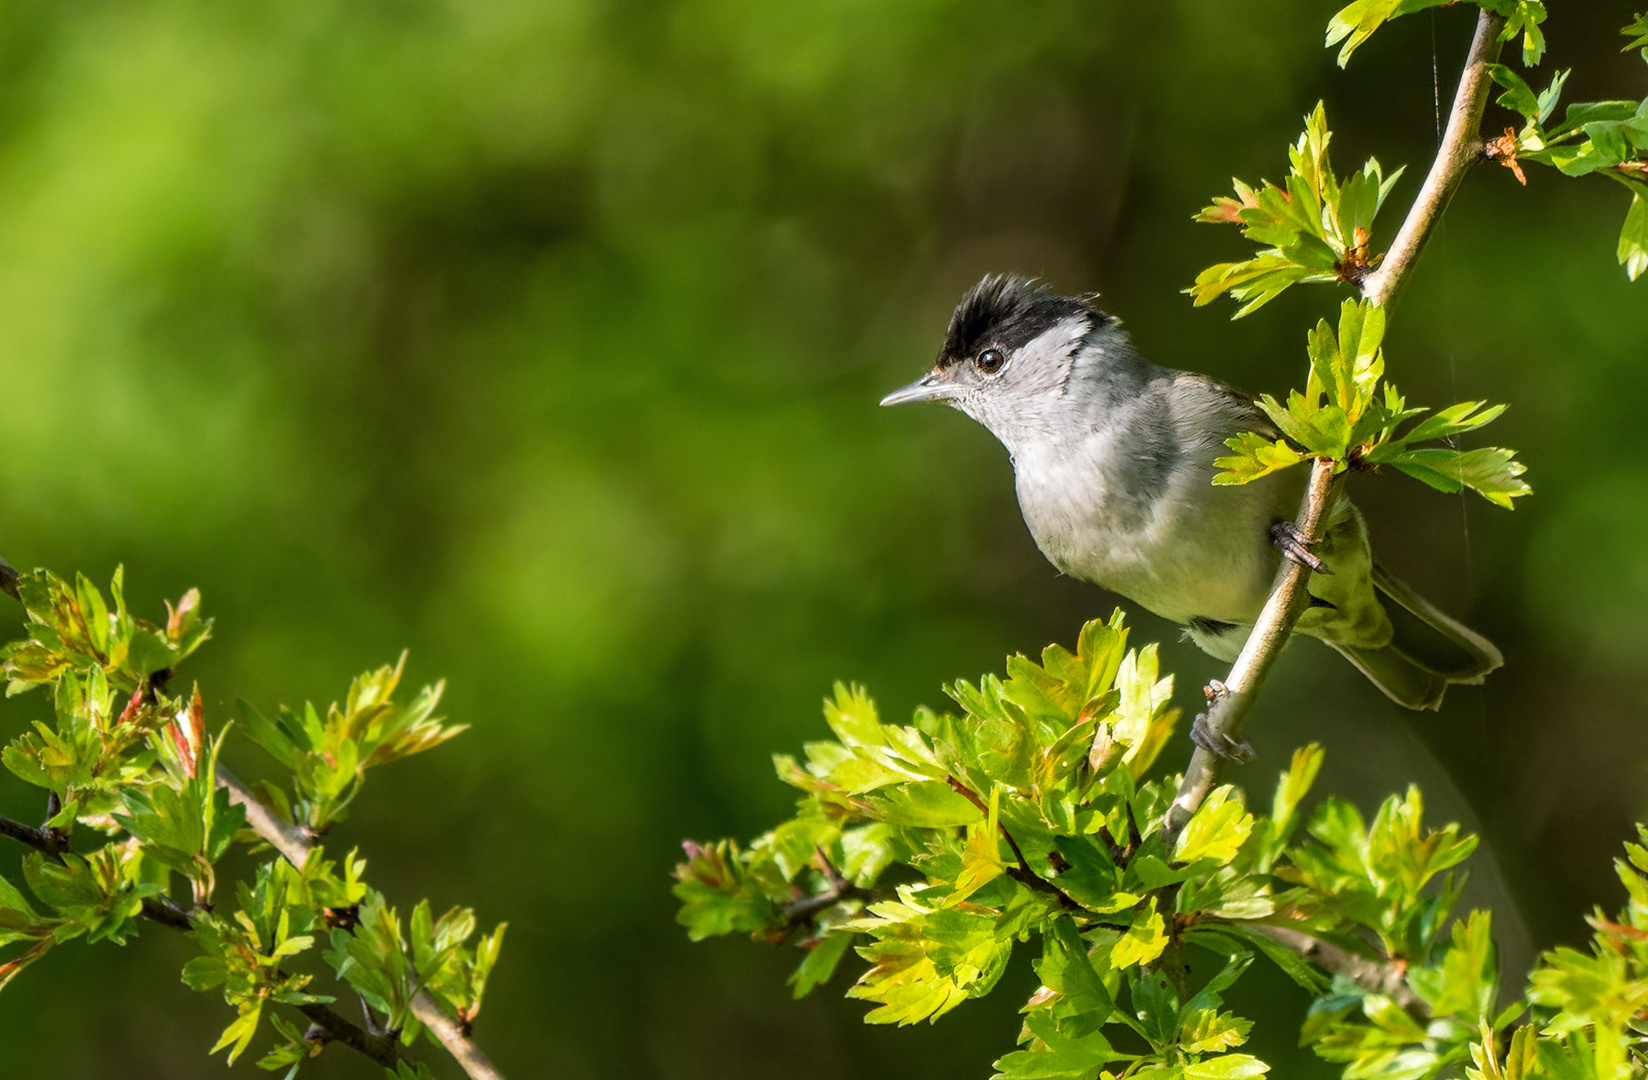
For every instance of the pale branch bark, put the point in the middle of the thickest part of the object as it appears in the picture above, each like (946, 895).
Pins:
(294, 844)
(1229, 707)
(1379, 975)
(1462, 146)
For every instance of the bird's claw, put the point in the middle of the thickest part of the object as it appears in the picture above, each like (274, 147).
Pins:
(1217, 743)
(1294, 545)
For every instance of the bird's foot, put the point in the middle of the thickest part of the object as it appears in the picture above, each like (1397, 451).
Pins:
(1294, 545)
(1217, 743)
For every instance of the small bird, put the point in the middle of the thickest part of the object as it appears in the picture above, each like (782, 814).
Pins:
(1113, 464)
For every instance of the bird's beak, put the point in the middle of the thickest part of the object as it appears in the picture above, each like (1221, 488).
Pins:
(930, 387)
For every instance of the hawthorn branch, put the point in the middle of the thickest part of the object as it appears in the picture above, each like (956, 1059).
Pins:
(1286, 603)
(329, 1026)
(1462, 146)
(802, 909)
(1380, 975)
(53, 844)
(294, 845)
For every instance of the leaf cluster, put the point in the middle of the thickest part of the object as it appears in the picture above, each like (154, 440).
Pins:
(1317, 228)
(1609, 138)
(1355, 23)
(1028, 821)
(1349, 415)
(135, 801)
(328, 755)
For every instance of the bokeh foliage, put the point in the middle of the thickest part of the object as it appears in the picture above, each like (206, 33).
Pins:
(543, 339)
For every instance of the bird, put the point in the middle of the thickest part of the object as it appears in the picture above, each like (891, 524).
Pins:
(1113, 467)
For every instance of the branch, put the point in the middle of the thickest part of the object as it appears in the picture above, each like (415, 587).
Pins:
(1380, 976)
(382, 1049)
(1287, 602)
(294, 845)
(50, 841)
(1462, 146)
(162, 910)
(1022, 872)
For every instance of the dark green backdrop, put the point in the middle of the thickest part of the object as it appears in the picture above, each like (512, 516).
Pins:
(544, 339)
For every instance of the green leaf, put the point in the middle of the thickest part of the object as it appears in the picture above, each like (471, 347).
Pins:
(1633, 237)
(1314, 228)
(1226, 1067)
(1217, 830)
(1144, 940)
(820, 962)
(925, 962)
(1490, 471)
(929, 804)
(1355, 22)
(1522, 17)
(1254, 457)
(241, 1029)
(1637, 31)
(1063, 1055)
(1518, 96)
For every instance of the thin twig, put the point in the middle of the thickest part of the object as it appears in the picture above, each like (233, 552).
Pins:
(1462, 146)
(804, 908)
(1380, 975)
(294, 845)
(50, 841)
(382, 1049)
(1022, 873)
(1287, 602)
(163, 910)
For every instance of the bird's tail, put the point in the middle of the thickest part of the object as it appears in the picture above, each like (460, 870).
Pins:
(1428, 650)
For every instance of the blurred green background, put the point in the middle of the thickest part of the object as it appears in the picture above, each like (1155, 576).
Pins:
(544, 339)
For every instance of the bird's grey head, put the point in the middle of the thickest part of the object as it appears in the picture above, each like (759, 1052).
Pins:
(1009, 355)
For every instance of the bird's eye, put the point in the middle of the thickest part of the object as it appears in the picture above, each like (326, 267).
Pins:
(990, 360)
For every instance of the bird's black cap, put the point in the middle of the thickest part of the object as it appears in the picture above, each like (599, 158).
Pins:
(1008, 311)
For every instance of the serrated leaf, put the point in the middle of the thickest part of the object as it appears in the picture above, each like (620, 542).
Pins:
(1227, 1067)
(820, 962)
(1144, 940)
(1490, 471)
(1217, 830)
(1254, 457)
(1355, 22)
(1518, 96)
(1637, 31)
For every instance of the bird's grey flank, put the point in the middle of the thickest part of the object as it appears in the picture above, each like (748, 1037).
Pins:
(1113, 465)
